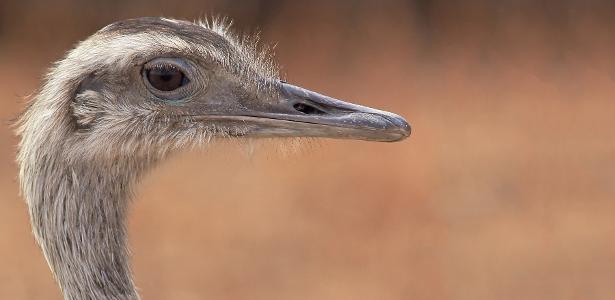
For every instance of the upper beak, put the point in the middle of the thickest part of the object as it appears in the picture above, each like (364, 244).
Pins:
(299, 112)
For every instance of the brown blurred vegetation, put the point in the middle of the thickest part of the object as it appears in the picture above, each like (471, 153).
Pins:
(506, 190)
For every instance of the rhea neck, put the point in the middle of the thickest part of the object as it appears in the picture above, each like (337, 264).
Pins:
(78, 211)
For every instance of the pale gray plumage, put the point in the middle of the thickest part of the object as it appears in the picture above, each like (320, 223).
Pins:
(98, 124)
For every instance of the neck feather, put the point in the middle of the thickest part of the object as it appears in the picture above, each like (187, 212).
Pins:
(78, 213)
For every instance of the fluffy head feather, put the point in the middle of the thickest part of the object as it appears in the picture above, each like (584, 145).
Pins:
(61, 111)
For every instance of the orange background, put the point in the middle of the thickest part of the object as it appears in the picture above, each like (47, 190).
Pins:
(505, 190)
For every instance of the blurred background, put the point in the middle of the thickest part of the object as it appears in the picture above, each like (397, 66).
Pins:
(505, 190)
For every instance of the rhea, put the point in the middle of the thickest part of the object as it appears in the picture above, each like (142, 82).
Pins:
(127, 97)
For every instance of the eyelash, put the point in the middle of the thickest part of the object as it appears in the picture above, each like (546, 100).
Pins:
(163, 67)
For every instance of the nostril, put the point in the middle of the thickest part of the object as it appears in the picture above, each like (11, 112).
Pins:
(308, 109)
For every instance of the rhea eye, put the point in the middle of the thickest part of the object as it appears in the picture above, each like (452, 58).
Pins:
(165, 77)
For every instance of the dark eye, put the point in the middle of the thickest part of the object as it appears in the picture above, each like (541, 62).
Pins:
(165, 77)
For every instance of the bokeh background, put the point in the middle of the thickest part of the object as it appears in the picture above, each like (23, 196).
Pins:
(506, 189)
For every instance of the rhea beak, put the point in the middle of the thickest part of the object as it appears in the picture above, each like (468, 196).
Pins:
(302, 113)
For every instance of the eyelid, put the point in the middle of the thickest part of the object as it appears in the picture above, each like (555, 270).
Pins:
(169, 62)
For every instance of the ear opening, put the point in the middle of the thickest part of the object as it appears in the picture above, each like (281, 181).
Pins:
(85, 108)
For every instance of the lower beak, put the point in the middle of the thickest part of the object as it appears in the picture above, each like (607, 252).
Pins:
(303, 113)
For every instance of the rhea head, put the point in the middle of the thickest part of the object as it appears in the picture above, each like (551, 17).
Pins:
(150, 83)
(127, 96)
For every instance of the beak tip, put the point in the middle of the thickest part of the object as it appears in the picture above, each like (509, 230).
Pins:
(400, 127)
(405, 128)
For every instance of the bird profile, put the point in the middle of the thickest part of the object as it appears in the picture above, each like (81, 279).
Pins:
(124, 99)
